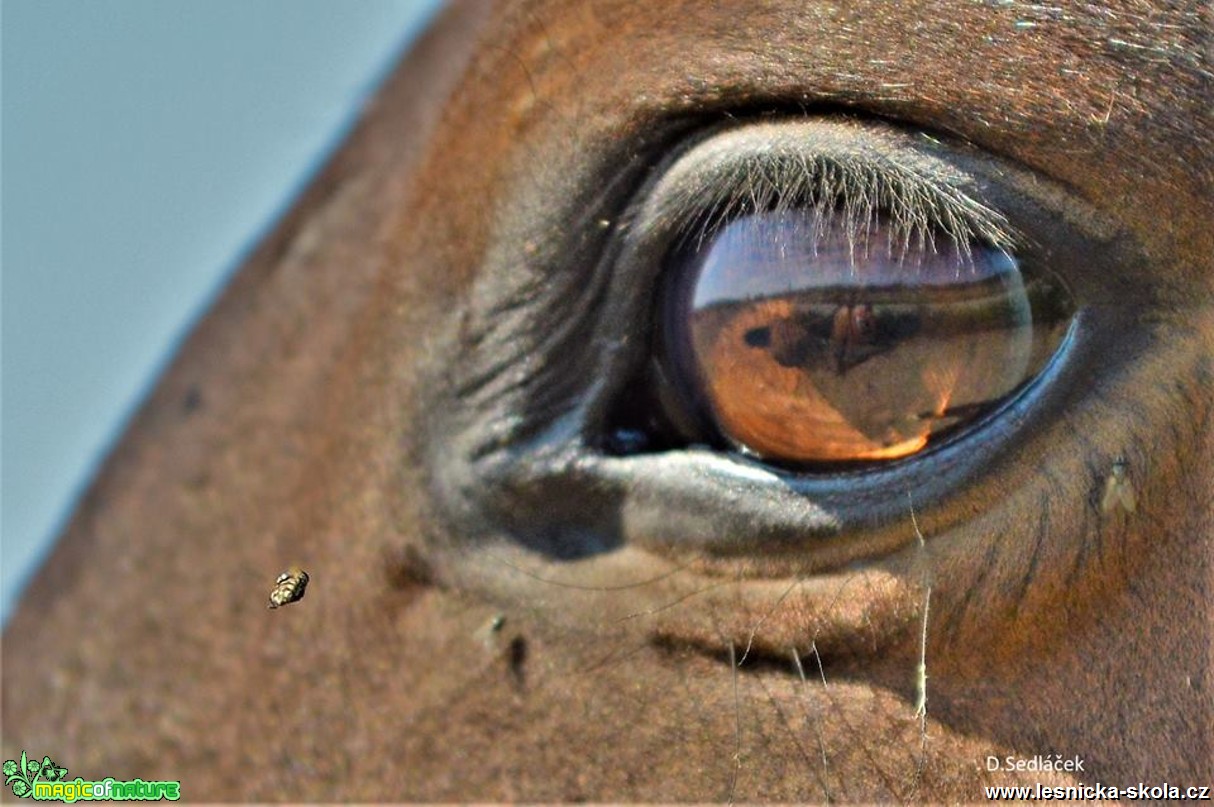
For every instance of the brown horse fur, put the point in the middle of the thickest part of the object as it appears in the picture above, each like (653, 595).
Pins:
(337, 409)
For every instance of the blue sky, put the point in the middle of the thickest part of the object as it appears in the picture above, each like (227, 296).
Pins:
(146, 145)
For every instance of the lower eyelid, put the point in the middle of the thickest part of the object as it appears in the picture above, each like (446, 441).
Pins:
(726, 506)
(719, 507)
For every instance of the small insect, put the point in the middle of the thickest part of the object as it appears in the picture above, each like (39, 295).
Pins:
(1118, 490)
(289, 587)
(490, 632)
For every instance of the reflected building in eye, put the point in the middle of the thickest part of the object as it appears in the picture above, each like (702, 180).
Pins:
(837, 336)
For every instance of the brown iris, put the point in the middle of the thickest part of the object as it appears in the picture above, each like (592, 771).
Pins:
(803, 341)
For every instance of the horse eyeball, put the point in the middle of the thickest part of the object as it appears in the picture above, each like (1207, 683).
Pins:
(802, 341)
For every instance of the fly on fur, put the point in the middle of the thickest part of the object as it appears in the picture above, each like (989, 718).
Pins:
(289, 587)
(1118, 490)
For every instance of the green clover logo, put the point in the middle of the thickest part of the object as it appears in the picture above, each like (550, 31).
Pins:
(21, 776)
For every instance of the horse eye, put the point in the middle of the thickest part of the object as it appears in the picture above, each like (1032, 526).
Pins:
(805, 340)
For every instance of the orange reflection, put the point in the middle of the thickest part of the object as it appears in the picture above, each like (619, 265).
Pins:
(806, 350)
(774, 409)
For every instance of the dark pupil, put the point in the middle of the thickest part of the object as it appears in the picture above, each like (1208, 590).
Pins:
(803, 341)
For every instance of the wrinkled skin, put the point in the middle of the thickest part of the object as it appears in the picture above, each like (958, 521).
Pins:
(329, 410)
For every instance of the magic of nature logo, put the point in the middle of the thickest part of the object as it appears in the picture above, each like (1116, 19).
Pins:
(47, 781)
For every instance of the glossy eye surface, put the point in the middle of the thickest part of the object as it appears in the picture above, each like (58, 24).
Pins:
(803, 339)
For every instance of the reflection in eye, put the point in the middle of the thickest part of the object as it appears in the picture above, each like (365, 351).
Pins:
(800, 340)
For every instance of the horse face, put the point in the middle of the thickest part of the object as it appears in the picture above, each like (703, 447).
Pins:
(413, 390)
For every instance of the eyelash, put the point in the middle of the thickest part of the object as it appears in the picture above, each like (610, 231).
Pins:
(921, 195)
(842, 192)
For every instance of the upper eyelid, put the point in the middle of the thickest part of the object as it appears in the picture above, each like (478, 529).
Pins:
(847, 177)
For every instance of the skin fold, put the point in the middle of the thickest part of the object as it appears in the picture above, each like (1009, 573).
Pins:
(379, 396)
